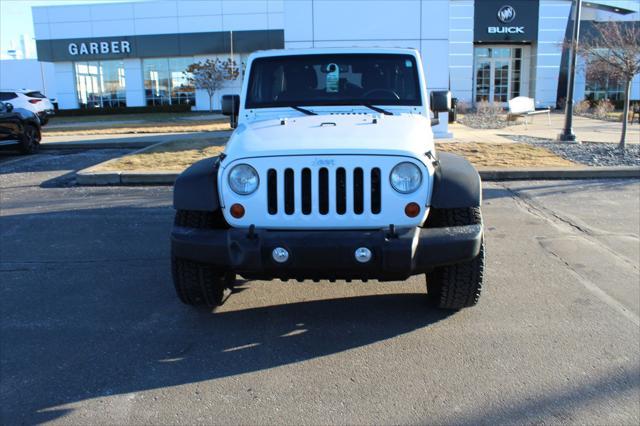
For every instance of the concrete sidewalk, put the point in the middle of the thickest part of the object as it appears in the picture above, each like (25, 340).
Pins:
(102, 122)
(121, 141)
(586, 129)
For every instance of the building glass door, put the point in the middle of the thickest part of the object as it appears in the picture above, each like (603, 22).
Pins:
(498, 73)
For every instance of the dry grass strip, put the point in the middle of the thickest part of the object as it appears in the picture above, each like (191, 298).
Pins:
(168, 156)
(178, 155)
(505, 155)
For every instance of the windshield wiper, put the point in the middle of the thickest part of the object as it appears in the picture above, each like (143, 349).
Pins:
(376, 109)
(302, 110)
(371, 107)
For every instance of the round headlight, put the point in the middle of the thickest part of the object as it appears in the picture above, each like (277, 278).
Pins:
(405, 178)
(243, 179)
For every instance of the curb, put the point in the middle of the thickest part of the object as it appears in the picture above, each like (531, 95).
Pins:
(559, 174)
(89, 178)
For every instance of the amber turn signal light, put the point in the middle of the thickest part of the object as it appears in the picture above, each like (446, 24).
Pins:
(237, 210)
(412, 209)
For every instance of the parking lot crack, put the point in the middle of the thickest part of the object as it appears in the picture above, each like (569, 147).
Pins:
(566, 224)
(593, 288)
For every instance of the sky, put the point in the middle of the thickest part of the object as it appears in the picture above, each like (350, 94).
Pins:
(15, 17)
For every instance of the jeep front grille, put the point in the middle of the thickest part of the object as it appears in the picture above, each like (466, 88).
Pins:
(334, 191)
(324, 192)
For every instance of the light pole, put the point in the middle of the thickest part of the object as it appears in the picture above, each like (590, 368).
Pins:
(567, 134)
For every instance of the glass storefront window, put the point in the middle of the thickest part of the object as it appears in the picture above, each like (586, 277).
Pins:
(600, 85)
(101, 84)
(182, 92)
(498, 73)
(604, 88)
(165, 82)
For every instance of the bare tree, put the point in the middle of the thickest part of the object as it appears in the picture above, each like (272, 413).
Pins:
(210, 75)
(612, 49)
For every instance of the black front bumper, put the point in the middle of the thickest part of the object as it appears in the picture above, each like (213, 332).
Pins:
(328, 254)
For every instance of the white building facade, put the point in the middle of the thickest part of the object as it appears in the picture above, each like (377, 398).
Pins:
(134, 54)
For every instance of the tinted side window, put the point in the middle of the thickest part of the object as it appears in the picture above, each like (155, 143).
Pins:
(7, 96)
(35, 95)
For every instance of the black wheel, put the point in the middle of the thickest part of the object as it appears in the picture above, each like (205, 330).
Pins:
(457, 286)
(29, 141)
(200, 284)
(197, 284)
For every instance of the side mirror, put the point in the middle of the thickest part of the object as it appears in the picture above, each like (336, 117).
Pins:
(8, 106)
(231, 107)
(230, 104)
(440, 101)
(435, 121)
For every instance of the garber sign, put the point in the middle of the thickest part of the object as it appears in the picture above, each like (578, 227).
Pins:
(504, 20)
(99, 48)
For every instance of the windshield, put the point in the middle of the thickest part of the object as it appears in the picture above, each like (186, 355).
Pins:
(334, 79)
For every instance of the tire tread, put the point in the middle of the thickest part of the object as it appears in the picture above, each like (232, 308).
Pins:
(459, 285)
(199, 283)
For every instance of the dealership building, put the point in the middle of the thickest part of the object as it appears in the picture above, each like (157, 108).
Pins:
(135, 54)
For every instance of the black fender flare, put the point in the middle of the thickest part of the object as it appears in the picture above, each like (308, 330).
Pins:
(196, 188)
(456, 183)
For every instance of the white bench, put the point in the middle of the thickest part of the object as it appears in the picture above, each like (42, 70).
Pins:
(525, 107)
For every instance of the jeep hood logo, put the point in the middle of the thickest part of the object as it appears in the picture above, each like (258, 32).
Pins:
(506, 14)
(320, 162)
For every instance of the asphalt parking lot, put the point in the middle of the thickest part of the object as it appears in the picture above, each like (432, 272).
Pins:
(92, 333)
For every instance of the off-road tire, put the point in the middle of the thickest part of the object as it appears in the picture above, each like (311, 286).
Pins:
(457, 286)
(197, 284)
(200, 284)
(29, 140)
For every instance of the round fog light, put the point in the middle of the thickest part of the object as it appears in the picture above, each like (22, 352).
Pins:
(280, 254)
(412, 209)
(237, 210)
(363, 254)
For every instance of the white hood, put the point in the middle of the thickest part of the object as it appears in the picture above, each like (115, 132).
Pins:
(333, 134)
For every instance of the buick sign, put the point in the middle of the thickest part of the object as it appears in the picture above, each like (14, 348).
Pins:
(506, 14)
(505, 20)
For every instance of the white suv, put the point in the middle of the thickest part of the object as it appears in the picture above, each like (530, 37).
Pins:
(331, 173)
(31, 100)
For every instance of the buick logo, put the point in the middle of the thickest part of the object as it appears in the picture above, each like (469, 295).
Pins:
(506, 14)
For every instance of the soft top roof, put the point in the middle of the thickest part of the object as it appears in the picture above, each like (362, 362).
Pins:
(334, 50)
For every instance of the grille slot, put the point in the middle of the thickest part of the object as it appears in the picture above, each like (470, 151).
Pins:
(376, 195)
(289, 201)
(306, 191)
(272, 191)
(358, 191)
(324, 191)
(341, 191)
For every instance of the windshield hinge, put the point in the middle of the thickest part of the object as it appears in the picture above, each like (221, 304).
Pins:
(434, 161)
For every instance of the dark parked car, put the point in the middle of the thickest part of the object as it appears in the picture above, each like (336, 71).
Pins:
(19, 127)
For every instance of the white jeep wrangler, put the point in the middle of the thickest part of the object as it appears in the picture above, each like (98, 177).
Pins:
(331, 173)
